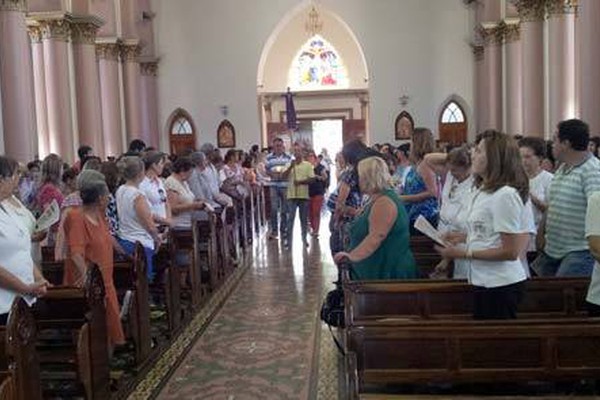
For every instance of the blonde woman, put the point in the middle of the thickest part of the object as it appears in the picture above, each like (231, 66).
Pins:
(379, 234)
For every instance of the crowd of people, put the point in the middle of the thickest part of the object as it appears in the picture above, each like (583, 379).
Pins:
(507, 208)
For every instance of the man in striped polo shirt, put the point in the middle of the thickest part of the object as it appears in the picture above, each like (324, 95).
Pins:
(566, 251)
(276, 164)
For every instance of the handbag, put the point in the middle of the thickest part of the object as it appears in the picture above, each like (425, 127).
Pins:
(332, 310)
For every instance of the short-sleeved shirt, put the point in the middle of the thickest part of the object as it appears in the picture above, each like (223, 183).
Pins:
(491, 214)
(299, 172)
(183, 219)
(567, 206)
(354, 199)
(592, 228)
(15, 255)
(278, 163)
(538, 187)
(318, 187)
(130, 226)
(156, 194)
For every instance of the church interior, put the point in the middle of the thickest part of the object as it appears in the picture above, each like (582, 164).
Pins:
(154, 153)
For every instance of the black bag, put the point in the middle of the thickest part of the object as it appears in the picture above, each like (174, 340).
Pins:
(332, 311)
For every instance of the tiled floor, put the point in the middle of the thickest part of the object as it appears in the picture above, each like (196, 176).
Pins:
(262, 343)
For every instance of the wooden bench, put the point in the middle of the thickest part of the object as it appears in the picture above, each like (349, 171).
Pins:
(208, 250)
(130, 279)
(19, 364)
(184, 241)
(468, 351)
(82, 355)
(451, 299)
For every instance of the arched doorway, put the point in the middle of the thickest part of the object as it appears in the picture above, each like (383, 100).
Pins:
(325, 69)
(182, 132)
(453, 124)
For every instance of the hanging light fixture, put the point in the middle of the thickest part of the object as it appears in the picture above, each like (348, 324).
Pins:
(313, 25)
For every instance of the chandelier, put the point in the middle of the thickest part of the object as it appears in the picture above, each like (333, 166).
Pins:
(313, 25)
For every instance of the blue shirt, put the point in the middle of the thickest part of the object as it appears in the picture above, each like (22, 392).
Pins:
(278, 163)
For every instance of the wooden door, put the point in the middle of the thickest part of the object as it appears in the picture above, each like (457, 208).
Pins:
(354, 129)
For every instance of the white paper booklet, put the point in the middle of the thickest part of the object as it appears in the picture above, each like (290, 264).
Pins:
(49, 217)
(423, 226)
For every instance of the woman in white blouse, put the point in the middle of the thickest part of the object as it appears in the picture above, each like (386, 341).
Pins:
(496, 230)
(153, 187)
(180, 197)
(18, 273)
(456, 198)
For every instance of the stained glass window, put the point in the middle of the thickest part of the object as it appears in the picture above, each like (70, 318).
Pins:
(181, 126)
(317, 66)
(452, 114)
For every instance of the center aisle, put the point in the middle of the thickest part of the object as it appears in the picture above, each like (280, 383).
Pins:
(261, 344)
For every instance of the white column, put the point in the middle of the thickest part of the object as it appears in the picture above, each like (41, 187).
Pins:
(150, 127)
(589, 26)
(132, 83)
(39, 82)
(16, 79)
(87, 84)
(561, 36)
(532, 37)
(514, 80)
(110, 96)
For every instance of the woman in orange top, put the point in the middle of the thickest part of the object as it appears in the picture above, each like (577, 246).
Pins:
(89, 241)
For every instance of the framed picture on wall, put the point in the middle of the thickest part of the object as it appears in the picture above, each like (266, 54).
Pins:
(404, 126)
(226, 134)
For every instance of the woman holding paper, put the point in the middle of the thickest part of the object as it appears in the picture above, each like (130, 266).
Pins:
(379, 234)
(18, 273)
(497, 232)
(456, 198)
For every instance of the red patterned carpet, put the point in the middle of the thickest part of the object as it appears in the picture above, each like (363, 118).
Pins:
(261, 344)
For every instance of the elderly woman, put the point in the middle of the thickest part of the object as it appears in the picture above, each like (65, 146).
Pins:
(379, 234)
(456, 198)
(89, 241)
(135, 217)
(181, 199)
(18, 274)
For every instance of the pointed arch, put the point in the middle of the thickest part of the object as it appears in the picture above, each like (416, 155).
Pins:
(181, 131)
(453, 120)
(289, 35)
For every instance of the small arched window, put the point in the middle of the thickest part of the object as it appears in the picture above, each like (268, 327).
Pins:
(453, 124)
(182, 132)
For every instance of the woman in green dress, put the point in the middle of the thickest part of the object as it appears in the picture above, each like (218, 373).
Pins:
(379, 234)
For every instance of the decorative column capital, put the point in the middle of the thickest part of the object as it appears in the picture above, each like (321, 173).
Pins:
(530, 10)
(35, 33)
(84, 32)
(149, 68)
(13, 5)
(108, 50)
(555, 7)
(478, 51)
(512, 30)
(58, 29)
(130, 51)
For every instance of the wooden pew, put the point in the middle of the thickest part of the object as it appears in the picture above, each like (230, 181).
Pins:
(185, 241)
(19, 364)
(471, 351)
(167, 282)
(82, 313)
(129, 275)
(230, 239)
(206, 233)
(452, 299)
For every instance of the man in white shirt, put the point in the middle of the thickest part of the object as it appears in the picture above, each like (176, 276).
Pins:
(533, 151)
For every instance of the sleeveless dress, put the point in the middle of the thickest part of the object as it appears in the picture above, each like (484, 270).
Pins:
(429, 207)
(393, 259)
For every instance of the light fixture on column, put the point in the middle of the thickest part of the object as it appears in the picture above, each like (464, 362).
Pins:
(224, 111)
(404, 100)
(313, 24)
